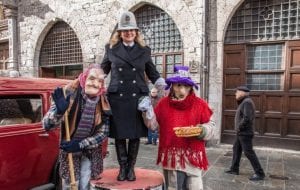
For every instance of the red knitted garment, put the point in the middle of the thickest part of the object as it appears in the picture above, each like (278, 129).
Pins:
(170, 114)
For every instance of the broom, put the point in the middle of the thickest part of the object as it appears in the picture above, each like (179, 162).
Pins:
(70, 158)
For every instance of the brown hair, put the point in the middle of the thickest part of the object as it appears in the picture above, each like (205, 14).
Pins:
(116, 37)
(172, 93)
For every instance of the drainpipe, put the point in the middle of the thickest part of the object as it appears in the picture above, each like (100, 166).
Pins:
(205, 50)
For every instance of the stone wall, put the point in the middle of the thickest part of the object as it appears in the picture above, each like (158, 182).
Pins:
(221, 12)
(93, 22)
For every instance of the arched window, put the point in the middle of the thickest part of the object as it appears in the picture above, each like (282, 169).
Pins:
(162, 36)
(61, 55)
(262, 20)
(264, 27)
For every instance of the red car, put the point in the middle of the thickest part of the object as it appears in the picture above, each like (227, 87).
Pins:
(28, 154)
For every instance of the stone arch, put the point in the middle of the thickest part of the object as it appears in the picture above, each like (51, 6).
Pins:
(230, 13)
(180, 21)
(78, 26)
(260, 51)
(38, 45)
(43, 36)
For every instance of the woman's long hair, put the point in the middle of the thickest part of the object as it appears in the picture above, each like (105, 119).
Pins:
(116, 37)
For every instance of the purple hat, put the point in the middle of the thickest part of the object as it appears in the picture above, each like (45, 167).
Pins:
(181, 75)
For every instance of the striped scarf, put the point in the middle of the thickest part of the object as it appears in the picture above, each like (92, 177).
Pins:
(87, 117)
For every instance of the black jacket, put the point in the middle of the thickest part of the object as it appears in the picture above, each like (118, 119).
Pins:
(245, 117)
(127, 85)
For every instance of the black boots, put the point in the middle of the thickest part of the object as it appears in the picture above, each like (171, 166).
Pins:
(233, 172)
(257, 177)
(122, 158)
(133, 149)
(127, 160)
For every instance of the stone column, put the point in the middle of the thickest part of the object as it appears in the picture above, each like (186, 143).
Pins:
(11, 15)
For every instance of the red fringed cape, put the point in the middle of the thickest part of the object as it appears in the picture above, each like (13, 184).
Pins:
(170, 114)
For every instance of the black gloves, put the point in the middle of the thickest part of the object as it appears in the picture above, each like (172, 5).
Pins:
(70, 146)
(61, 102)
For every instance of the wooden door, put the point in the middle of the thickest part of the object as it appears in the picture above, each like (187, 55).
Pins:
(233, 76)
(47, 72)
(292, 108)
(277, 112)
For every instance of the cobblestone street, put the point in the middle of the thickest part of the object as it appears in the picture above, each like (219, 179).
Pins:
(281, 167)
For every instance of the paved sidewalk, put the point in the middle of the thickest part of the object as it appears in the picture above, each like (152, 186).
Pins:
(282, 168)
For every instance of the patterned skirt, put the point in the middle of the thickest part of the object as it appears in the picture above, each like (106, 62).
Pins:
(94, 155)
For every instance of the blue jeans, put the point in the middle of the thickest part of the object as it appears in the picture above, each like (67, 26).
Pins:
(85, 173)
(152, 136)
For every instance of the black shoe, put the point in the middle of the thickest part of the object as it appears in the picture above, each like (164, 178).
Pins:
(154, 143)
(122, 174)
(146, 143)
(257, 177)
(233, 172)
(131, 174)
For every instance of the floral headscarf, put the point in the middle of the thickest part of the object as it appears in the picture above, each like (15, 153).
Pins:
(83, 76)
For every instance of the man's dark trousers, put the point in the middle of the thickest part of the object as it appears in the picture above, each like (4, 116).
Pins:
(244, 143)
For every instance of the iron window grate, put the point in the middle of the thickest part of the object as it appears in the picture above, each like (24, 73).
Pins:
(159, 30)
(61, 47)
(264, 20)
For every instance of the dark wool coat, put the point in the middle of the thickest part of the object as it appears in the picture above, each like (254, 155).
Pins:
(127, 85)
(245, 117)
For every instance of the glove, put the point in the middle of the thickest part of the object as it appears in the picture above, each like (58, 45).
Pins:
(160, 84)
(202, 134)
(48, 127)
(70, 146)
(146, 106)
(144, 103)
(61, 102)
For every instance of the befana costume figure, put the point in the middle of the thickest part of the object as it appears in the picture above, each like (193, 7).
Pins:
(88, 117)
(185, 124)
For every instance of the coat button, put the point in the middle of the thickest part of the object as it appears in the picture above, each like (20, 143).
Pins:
(134, 69)
(121, 81)
(121, 94)
(120, 69)
(134, 94)
(133, 81)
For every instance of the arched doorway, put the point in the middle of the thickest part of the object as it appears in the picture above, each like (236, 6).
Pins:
(262, 50)
(162, 36)
(61, 54)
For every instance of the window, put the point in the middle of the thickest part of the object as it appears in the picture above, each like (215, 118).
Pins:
(264, 69)
(61, 52)
(20, 109)
(162, 36)
(262, 20)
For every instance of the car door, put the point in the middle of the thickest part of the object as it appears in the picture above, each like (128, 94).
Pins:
(28, 153)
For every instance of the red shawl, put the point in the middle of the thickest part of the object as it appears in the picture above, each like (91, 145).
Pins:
(170, 114)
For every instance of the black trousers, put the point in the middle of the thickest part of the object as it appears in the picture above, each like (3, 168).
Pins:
(244, 144)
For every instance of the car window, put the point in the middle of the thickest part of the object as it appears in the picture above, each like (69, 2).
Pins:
(20, 109)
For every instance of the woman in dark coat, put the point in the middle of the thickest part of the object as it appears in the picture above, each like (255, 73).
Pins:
(128, 59)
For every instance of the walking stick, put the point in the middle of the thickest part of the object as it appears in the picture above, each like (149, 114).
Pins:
(70, 158)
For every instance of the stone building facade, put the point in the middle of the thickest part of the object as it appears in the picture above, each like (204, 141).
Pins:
(196, 33)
